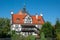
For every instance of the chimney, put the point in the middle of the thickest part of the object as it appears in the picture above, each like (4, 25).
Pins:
(36, 16)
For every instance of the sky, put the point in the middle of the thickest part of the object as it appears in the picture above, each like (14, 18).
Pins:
(49, 8)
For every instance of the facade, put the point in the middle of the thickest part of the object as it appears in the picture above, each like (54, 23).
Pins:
(26, 24)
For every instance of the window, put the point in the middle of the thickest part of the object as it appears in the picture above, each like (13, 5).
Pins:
(17, 27)
(18, 19)
(39, 20)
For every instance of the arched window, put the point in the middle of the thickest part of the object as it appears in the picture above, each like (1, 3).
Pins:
(28, 19)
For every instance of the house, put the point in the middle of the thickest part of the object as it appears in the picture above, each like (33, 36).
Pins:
(26, 24)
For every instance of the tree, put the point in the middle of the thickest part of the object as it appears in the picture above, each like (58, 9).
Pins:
(57, 29)
(30, 37)
(57, 24)
(15, 36)
(4, 27)
(42, 36)
(47, 29)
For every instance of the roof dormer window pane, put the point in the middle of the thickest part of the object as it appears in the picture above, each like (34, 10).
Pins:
(39, 20)
(17, 19)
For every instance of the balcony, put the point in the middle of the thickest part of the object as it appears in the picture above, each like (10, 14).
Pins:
(27, 29)
(36, 31)
(28, 26)
(30, 30)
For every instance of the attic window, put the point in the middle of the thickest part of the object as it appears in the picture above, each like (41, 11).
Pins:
(39, 20)
(17, 19)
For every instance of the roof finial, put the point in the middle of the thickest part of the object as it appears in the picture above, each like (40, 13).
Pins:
(41, 14)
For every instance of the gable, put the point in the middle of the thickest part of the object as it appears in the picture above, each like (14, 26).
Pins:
(27, 19)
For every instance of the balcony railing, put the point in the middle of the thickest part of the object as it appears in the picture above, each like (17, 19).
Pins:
(27, 29)
(30, 30)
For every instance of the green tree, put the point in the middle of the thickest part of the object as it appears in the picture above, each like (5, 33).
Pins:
(42, 36)
(57, 28)
(4, 27)
(15, 36)
(30, 37)
(47, 29)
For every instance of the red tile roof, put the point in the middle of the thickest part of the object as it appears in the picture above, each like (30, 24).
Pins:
(22, 16)
(37, 21)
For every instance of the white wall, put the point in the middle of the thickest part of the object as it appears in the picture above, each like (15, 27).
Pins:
(39, 26)
(27, 19)
(13, 27)
(34, 33)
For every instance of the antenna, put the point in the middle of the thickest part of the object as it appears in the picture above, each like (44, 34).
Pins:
(24, 5)
(24, 8)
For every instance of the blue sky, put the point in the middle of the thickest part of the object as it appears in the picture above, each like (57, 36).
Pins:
(49, 8)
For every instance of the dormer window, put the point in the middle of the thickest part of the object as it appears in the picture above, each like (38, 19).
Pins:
(17, 19)
(39, 20)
